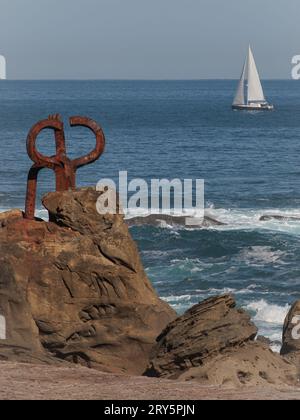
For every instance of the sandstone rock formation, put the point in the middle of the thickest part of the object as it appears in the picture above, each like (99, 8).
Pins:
(291, 335)
(74, 288)
(214, 344)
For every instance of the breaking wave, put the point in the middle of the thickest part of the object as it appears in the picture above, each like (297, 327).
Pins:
(269, 318)
(269, 313)
(235, 219)
(261, 255)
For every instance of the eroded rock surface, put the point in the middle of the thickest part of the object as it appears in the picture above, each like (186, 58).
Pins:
(214, 344)
(75, 288)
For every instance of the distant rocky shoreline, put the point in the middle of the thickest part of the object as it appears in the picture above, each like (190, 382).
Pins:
(73, 291)
(162, 220)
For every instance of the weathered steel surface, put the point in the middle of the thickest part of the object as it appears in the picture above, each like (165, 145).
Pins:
(64, 168)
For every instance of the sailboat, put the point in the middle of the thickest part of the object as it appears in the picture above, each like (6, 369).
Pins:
(252, 98)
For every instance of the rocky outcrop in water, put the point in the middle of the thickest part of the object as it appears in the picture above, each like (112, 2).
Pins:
(162, 220)
(280, 218)
(74, 288)
(214, 344)
(291, 335)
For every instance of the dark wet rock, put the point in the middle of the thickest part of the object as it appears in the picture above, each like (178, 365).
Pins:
(161, 220)
(270, 217)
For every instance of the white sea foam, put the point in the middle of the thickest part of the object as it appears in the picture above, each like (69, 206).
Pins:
(261, 255)
(181, 298)
(199, 295)
(269, 318)
(238, 219)
(42, 214)
(191, 265)
(144, 212)
(276, 348)
(249, 219)
(159, 254)
(268, 313)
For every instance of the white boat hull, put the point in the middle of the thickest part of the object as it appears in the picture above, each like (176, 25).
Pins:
(253, 107)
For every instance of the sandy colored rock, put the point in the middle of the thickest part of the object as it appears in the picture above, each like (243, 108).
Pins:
(75, 287)
(253, 364)
(9, 216)
(201, 334)
(214, 343)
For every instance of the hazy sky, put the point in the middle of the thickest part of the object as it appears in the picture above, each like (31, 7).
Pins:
(147, 39)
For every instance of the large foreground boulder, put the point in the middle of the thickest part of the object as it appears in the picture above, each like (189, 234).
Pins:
(214, 343)
(291, 335)
(74, 288)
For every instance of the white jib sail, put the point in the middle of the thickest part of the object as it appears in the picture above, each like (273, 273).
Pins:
(255, 90)
(2, 68)
(240, 94)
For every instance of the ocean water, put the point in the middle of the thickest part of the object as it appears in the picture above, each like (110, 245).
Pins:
(185, 129)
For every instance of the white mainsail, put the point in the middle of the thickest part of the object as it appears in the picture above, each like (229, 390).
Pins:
(255, 90)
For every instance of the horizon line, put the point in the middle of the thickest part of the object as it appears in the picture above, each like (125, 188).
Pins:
(134, 79)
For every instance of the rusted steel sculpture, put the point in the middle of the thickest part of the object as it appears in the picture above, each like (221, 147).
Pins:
(64, 168)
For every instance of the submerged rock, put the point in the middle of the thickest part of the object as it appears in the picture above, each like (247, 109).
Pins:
(270, 217)
(213, 343)
(161, 220)
(291, 335)
(75, 288)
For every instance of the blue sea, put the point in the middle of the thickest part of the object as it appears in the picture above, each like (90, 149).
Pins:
(183, 129)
